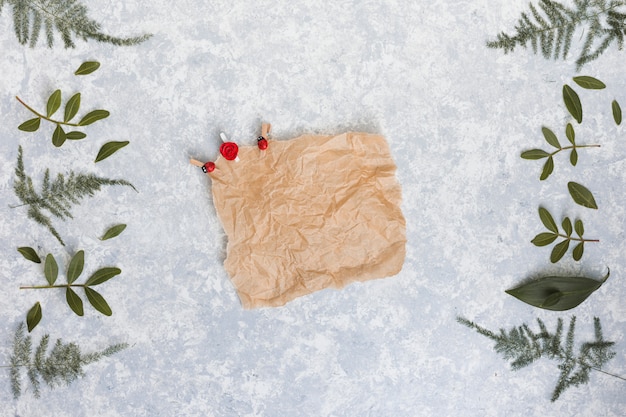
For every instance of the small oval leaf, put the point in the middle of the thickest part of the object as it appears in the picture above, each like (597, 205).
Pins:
(535, 154)
(33, 317)
(74, 301)
(544, 239)
(577, 254)
(567, 226)
(617, 112)
(558, 251)
(54, 102)
(580, 229)
(87, 68)
(93, 117)
(97, 301)
(581, 195)
(113, 231)
(573, 157)
(550, 137)
(572, 102)
(30, 125)
(58, 137)
(30, 254)
(548, 167)
(75, 135)
(76, 266)
(547, 220)
(109, 149)
(543, 293)
(589, 83)
(71, 108)
(51, 269)
(102, 275)
(569, 132)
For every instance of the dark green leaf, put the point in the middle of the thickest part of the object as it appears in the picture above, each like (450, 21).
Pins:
(102, 275)
(572, 102)
(567, 226)
(30, 125)
(113, 231)
(573, 157)
(617, 112)
(75, 135)
(581, 195)
(547, 220)
(87, 68)
(535, 154)
(548, 167)
(97, 301)
(76, 266)
(51, 269)
(30, 254)
(569, 132)
(58, 137)
(54, 102)
(550, 137)
(71, 108)
(558, 251)
(93, 117)
(556, 293)
(33, 317)
(589, 83)
(109, 149)
(74, 301)
(580, 229)
(544, 239)
(578, 251)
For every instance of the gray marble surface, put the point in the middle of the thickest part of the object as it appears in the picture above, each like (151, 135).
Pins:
(456, 115)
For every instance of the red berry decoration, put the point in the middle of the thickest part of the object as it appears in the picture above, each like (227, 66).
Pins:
(229, 150)
(208, 167)
(261, 143)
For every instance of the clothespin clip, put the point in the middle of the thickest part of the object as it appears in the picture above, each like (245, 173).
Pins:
(262, 140)
(229, 150)
(206, 167)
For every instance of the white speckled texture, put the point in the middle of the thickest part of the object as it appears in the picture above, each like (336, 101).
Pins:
(456, 116)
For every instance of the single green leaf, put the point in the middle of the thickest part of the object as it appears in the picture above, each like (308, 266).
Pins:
(617, 112)
(30, 125)
(535, 154)
(548, 167)
(30, 254)
(573, 157)
(567, 226)
(54, 102)
(579, 249)
(74, 301)
(544, 239)
(97, 301)
(71, 108)
(102, 275)
(572, 102)
(51, 269)
(572, 291)
(87, 68)
(58, 137)
(550, 137)
(569, 132)
(109, 149)
(581, 195)
(558, 251)
(113, 231)
(76, 266)
(33, 317)
(93, 117)
(580, 229)
(75, 135)
(548, 220)
(589, 83)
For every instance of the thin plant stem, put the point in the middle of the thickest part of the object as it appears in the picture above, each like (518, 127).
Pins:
(42, 287)
(58, 122)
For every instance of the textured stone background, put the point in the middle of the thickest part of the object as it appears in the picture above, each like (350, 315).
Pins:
(456, 115)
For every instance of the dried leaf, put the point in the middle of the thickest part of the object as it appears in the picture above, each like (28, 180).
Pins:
(54, 102)
(617, 112)
(97, 301)
(573, 157)
(548, 167)
(87, 68)
(578, 251)
(30, 125)
(93, 117)
(74, 301)
(581, 195)
(572, 102)
(547, 220)
(51, 269)
(30, 254)
(76, 266)
(580, 229)
(71, 108)
(558, 251)
(544, 239)
(535, 154)
(589, 83)
(569, 132)
(109, 149)
(75, 135)
(58, 137)
(113, 231)
(550, 137)
(567, 226)
(102, 275)
(33, 317)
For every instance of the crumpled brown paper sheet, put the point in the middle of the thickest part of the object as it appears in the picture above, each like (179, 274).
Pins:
(307, 214)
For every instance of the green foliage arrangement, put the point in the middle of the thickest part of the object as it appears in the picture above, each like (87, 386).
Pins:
(550, 27)
(523, 347)
(56, 196)
(62, 365)
(68, 17)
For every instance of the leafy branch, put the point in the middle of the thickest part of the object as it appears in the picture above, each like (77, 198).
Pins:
(68, 17)
(523, 347)
(551, 26)
(63, 364)
(546, 238)
(56, 196)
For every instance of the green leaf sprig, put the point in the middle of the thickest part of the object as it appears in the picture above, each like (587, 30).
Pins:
(581, 195)
(74, 270)
(553, 233)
